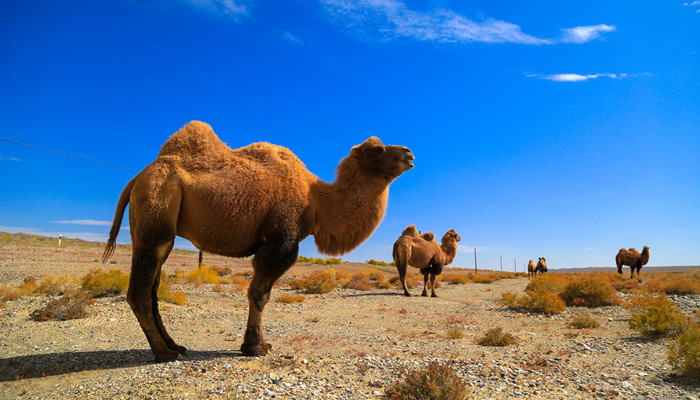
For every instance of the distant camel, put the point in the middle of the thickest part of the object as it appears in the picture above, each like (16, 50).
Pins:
(632, 258)
(425, 253)
(259, 199)
(531, 270)
(541, 265)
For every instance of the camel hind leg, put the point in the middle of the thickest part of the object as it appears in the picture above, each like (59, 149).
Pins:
(426, 277)
(271, 261)
(143, 298)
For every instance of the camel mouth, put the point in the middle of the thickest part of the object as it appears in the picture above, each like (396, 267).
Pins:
(408, 160)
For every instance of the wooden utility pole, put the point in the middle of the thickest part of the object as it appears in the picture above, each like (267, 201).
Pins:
(501, 263)
(515, 266)
(475, 270)
(200, 260)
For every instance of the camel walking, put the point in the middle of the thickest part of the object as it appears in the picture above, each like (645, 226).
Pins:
(257, 200)
(632, 258)
(422, 251)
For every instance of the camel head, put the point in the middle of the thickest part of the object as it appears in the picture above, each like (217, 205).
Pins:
(385, 160)
(451, 235)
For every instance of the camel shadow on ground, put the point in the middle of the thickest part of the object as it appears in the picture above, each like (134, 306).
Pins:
(43, 365)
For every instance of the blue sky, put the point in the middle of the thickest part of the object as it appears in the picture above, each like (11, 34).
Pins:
(564, 130)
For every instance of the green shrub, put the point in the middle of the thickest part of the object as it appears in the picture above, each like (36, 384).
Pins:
(69, 306)
(684, 353)
(589, 291)
(435, 382)
(583, 321)
(496, 337)
(100, 284)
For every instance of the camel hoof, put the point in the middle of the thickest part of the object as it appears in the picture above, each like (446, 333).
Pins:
(424, 294)
(258, 349)
(167, 356)
(180, 349)
(407, 294)
(433, 295)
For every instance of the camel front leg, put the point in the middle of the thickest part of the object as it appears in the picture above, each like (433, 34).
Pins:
(271, 261)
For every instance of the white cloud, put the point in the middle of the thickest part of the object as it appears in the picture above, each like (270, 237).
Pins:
(229, 8)
(90, 222)
(391, 18)
(694, 4)
(10, 158)
(575, 77)
(583, 34)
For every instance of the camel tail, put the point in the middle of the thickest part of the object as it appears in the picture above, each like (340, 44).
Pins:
(116, 224)
(399, 256)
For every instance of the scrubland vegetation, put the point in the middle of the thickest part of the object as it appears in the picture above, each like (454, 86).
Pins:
(652, 315)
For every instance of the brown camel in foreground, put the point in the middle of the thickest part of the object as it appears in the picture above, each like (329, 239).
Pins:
(531, 269)
(541, 265)
(632, 258)
(259, 199)
(417, 251)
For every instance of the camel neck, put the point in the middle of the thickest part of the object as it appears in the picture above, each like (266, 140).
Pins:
(348, 210)
(449, 250)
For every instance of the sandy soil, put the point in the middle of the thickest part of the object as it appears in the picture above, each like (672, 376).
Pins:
(346, 344)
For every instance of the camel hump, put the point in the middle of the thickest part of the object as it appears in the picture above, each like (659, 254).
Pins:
(410, 231)
(428, 236)
(633, 250)
(194, 140)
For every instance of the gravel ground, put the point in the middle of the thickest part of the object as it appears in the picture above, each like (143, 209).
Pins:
(346, 344)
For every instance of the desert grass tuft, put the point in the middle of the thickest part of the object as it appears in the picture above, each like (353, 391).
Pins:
(496, 337)
(290, 298)
(454, 333)
(583, 321)
(70, 306)
(318, 282)
(434, 382)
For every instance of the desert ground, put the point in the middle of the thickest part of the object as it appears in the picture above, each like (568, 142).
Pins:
(346, 344)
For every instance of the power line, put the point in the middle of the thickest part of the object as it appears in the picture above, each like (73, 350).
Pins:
(67, 155)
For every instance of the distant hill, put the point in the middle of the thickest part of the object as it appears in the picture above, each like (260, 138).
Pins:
(31, 240)
(625, 270)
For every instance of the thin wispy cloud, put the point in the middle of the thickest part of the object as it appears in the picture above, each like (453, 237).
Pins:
(583, 34)
(4, 158)
(695, 4)
(88, 222)
(228, 8)
(292, 38)
(390, 19)
(575, 77)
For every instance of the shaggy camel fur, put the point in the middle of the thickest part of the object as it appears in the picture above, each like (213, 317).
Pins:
(541, 265)
(259, 199)
(426, 254)
(632, 258)
(531, 269)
